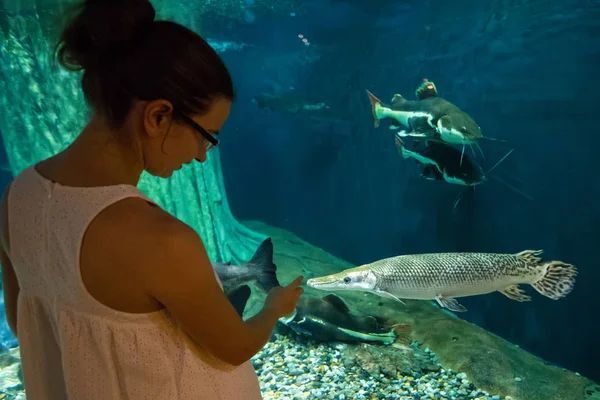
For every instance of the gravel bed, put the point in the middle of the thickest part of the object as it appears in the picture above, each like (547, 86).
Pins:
(291, 369)
(296, 370)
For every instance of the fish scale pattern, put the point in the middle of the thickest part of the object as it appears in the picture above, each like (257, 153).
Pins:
(452, 269)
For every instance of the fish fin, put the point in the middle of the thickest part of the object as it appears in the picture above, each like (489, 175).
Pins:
(431, 123)
(238, 298)
(530, 256)
(397, 100)
(383, 293)
(287, 319)
(403, 133)
(416, 134)
(385, 338)
(299, 329)
(431, 172)
(400, 144)
(514, 292)
(374, 101)
(558, 280)
(450, 303)
(262, 261)
(337, 302)
(402, 332)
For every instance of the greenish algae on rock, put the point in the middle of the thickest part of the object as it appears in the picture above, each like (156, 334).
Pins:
(490, 362)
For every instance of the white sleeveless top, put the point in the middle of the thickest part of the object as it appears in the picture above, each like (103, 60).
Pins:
(72, 346)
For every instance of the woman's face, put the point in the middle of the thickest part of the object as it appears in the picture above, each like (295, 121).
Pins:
(169, 143)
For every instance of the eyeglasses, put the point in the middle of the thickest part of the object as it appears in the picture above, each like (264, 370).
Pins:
(211, 140)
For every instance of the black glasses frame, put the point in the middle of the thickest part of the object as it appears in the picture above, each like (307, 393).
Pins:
(211, 140)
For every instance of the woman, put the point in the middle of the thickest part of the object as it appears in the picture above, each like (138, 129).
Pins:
(110, 296)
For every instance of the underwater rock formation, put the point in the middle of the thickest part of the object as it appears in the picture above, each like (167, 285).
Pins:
(43, 109)
(490, 362)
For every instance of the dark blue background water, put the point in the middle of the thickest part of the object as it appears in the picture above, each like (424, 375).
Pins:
(526, 71)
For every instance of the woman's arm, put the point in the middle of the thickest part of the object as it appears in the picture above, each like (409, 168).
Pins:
(170, 264)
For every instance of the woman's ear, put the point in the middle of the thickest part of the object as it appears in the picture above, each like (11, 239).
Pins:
(158, 115)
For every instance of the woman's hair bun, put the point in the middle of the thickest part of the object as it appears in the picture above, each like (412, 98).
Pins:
(102, 27)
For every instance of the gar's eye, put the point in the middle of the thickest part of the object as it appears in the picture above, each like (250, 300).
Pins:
(347, 279)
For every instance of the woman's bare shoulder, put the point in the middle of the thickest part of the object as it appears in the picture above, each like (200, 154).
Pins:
(136, 230)
(127, 248)
(136, 219)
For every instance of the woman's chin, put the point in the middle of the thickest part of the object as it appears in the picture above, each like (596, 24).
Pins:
(165, 173)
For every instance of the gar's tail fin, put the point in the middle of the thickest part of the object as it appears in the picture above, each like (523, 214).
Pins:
(558, 280)
(402, 332)
(265, 269)
(374, 101)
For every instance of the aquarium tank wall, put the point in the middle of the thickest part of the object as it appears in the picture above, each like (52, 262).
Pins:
(364, 131)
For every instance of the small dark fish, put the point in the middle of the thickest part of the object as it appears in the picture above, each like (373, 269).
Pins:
(288, 102)
(260, 270)
(329, 319)
(429, 116)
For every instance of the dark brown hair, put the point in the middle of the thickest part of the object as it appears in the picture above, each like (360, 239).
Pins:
(127, 55)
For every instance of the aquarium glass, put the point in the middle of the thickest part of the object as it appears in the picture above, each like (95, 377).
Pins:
(448, 148)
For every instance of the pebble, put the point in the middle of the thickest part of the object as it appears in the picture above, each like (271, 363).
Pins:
(11, 387)
(298, 370)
